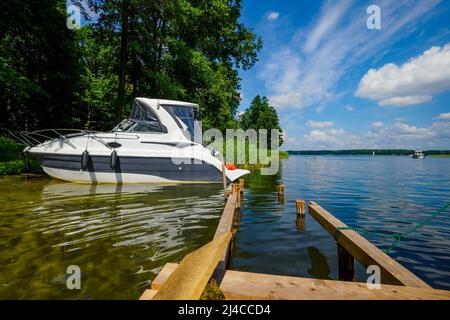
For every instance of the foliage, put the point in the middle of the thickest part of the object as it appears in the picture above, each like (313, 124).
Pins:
(260, 115)
(189, 50)
(38, 65)
(179, 50)
(263, 156)
(212, 292)
(284, 154)
(9, 149)
(11, 160)
(98, 90)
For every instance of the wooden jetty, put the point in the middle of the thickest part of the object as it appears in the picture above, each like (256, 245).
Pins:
(188, 279)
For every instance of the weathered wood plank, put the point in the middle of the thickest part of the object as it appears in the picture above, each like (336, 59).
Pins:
(148, 294)
(252, 286)
(226, 221)
(364, 251)
(163, 275)
(225, 225)
(189, 279)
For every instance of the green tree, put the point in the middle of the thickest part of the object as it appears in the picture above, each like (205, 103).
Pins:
(260, 115)
(38, 65)
(97, 96)
(180, 49)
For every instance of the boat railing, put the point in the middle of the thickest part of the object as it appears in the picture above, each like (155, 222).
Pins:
(34, 138)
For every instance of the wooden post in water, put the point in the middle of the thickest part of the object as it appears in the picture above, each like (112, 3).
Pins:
(346, 264)
(224, 178)
(300, 221)
(236, 189)
(280, 193)
(301, 217)
(241, 185)
(301, 207)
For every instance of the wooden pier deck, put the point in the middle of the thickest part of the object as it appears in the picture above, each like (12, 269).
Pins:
(187, 280)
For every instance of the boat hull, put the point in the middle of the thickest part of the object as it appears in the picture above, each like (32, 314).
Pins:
(131, 169)
(113, 177)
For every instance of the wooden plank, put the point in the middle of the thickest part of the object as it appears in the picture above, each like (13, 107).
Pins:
(189, 279)
(364, 251)
(163, 275)
(224, 180)
(225, 225)
(226, 221)
(252, 286)
(148, 294)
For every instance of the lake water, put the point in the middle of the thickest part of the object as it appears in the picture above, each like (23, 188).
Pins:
(385, 194)
(121, 236)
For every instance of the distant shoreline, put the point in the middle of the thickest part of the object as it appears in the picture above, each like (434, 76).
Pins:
(370, 152)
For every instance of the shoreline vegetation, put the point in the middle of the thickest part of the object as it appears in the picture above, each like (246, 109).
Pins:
(369, 152)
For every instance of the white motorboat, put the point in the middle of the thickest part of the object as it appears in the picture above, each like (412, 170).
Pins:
(418, 155)
(159, 142)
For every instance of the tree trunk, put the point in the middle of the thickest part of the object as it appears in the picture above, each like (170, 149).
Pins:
(123, 61)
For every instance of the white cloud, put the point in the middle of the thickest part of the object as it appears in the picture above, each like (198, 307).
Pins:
(405, 101)
(330, 15)
(330, 138)
(444, 116)
(319, 124)
(290, 99)
(398, 135)
(349, 108)
(378, 124)
(282, 76)
(271, 16)
(414, 82)
(405, 129)
(320, 55)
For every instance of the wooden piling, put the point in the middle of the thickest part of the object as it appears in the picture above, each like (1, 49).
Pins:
(281, 193)
(301, 207)
(241, 184)
(224, 179)
(235, 188)
(346, 264)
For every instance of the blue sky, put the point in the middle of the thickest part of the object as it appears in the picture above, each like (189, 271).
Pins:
(337, 85)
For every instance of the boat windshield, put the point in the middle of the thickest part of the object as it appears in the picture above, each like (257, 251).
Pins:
(141, 119)
(187, 119)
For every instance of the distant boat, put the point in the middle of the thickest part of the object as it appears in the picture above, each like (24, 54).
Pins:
(418, 155)
(373, 154)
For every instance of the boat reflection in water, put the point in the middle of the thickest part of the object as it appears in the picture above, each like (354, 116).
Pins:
(119, 235)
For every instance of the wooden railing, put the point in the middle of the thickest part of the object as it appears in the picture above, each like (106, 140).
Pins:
(352, 246)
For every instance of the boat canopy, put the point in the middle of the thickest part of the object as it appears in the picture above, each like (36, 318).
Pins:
(187, 119)
(143, 119)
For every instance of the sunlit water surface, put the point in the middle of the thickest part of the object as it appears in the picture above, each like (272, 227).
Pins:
(121, 236)
(382, 193)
